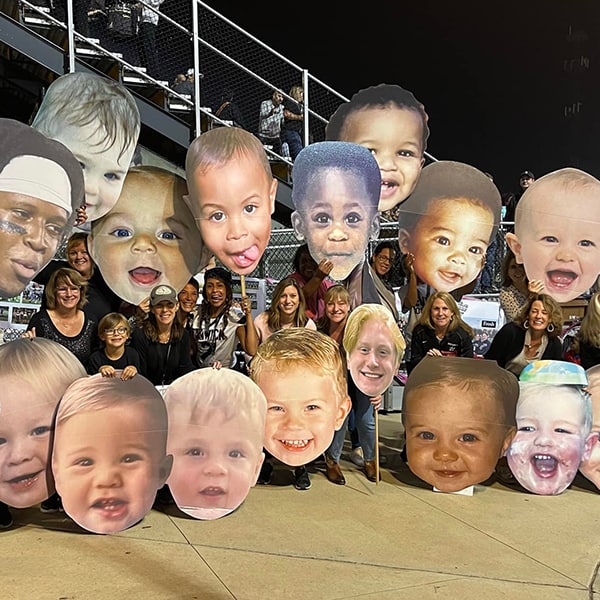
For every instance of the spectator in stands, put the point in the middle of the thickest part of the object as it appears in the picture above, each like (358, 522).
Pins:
(270, 120)
(588, 337)
(525, 180)
(228, 110)
(292, 129)
(147, 37)
(381, 268)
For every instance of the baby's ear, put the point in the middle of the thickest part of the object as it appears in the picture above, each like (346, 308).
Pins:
(273, 194)
(166, 464)
(375, 226)
(404, 241)
(513, 243)
(344, 407)
(298, 225)
(590, 441)
(508, 438)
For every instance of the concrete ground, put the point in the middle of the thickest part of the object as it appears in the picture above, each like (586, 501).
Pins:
(394, 540)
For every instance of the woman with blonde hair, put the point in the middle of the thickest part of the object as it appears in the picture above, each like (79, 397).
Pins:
(440, 331)
(588, 338)
(293, 120)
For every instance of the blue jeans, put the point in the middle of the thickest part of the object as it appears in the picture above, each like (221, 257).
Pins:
(294, 141)
(365, 424)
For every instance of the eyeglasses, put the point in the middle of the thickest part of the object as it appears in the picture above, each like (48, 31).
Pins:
(119, 330)
(64, 290)
(384, 258)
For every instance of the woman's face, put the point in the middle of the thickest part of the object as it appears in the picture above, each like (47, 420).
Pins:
(382, 262)
(516, 272)
(165, 312)
(67, 295)
(289, 301)
(336, 310)
(539, 316)
(441, 314)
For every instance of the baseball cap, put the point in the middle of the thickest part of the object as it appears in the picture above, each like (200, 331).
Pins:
(218, 273)
(527, 174)
(163, 292)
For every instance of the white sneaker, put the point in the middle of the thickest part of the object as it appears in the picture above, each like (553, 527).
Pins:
(356, 456)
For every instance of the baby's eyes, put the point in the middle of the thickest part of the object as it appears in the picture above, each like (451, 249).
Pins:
(476, 250)
(468, 437)
(321, 218)
(250, 209)
(112, 177)
(276, 408)
(2, 441)
(406, 153)
(426, 435)
(442, 240)
(527, 428)
(217, 217)
(550, 239)
(41, 430)
(587, 243)
(353, 218)
(562, 430)
(236, 454)
(311, 407)
(167, 235)
(120, 232)
(131, 458)
(194, 452)
(84, 462)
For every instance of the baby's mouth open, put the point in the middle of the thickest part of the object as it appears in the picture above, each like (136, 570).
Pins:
(388, 188)
(111, 508)
(295, 445)
(247, 257)
(145, 276)
(561, 279)
(22, 482)
(544, 465)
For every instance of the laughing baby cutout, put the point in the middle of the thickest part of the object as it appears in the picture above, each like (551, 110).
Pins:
(448, 222)
(148, 238)
(232, 195)
(216, 428)
(459, 419)
(98, 120)
(590, 466)
(392, 124)
(41, 187)
(34, 374)
(109, 456)
(301, 373)
(335, 195)
(557, 232)
(554, 424)
(374, 347)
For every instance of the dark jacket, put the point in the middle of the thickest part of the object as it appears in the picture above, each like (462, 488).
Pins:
(455, 343)
(509, 341)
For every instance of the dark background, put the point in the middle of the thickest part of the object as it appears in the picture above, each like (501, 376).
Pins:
(508, 86)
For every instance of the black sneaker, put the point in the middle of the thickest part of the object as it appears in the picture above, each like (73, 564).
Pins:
(6, 519)
(301, 479)
(52, 504)
(266, 472)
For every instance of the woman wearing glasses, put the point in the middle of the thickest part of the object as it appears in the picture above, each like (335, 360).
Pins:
(381, 271)
(114, 331)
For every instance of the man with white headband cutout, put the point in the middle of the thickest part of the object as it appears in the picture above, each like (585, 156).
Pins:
(41, 188)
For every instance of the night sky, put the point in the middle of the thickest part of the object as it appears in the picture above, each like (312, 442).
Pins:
(489, 74)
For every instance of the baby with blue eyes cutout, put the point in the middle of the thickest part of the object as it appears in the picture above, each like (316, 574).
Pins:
(335, 195)
(448, 223)
(149, 237)
(109, 456)
(459, 419)
(216, 428)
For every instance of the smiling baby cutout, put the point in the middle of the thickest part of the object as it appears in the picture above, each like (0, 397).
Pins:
(374, 346)
(459, 419)
(232, 195)
(448, 223)
(109, 456)
(34, 374)
(138, 246)
(216, 430)
(557, 232)
(590, 465)
(554, 427)
(392, 124)
(301, 373)
(335, 195)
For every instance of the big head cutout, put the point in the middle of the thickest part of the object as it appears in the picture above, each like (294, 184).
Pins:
(590, 465)
(98, 120)
(374, 347)
(554, 422)
(41, 187)
(232, 195)
(392, 124)
(138, 249)
(34, 373)
(557, 232)
(448, 222)
(109, 456)
(459, 419)
(301, 373)
(335, 194)
(216, 429)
